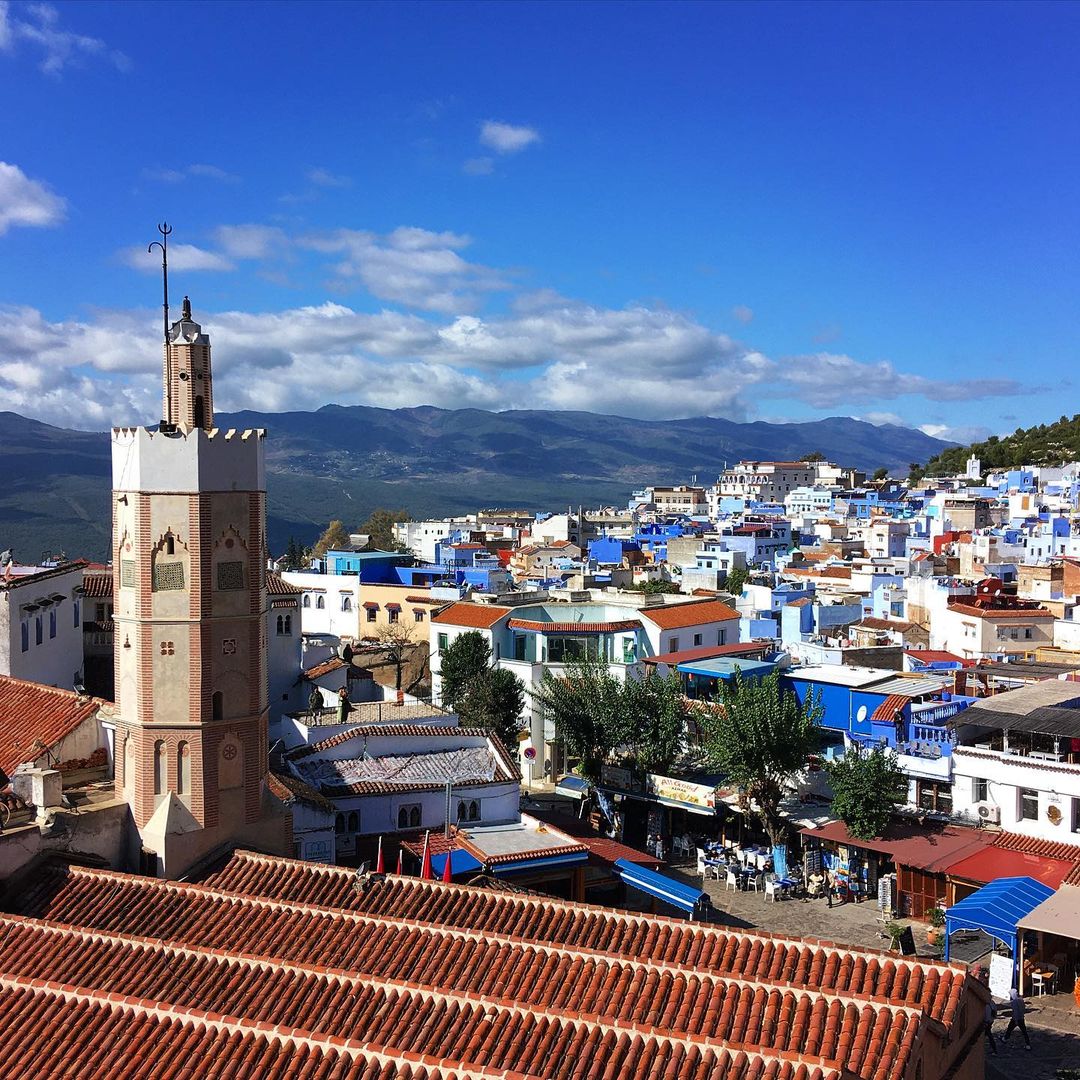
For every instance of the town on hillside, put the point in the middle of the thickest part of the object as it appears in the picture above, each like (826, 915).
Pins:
(673, 746)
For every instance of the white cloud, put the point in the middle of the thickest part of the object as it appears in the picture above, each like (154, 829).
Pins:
(181, 257)
(197, 171)
(327, 179)
(507, 138)
(38, 25)
(251, 241)
(26, 202)
(741, 313)
(959, 433)
(479, 166)
(410, 266)
(879, 419)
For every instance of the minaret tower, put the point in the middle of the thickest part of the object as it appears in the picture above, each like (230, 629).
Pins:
(189, 557)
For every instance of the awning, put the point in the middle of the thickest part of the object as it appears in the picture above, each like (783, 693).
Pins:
(371, 605)
(541, 862)
(461, 862)
(1058, 914)
(997, 909)
(573, 787)
(685, 897)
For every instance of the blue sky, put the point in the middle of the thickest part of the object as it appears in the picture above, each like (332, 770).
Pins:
(758, 211)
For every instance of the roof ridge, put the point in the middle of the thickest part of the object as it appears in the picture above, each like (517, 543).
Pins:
(515, 942)
(59, 690)
(598, 1021)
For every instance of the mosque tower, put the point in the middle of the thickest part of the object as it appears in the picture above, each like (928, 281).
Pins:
(189, 558)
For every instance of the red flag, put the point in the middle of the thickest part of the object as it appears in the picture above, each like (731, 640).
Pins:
(400, 868)
(448, 870)
(425, 862)
(380, 866)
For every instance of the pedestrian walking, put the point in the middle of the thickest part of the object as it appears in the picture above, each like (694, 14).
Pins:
(828, 887)
(988, 1026)
(1016, 1020)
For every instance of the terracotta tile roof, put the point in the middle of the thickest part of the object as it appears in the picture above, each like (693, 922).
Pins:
(573, 627)
(477, 616)
(368, 731)
(424, 600)
(710, 652)
(98, 584)
(276, 585)
(335, 663)
(290, 788)
(1001, 613)
(892, 707)
(602, 851)
(871, 622)
(695, 613)
(1032, 845)
(29, 711)
(400, 969)
(804, 601)
(39, 575)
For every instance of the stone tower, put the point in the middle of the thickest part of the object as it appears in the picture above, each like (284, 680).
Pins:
(189, 559)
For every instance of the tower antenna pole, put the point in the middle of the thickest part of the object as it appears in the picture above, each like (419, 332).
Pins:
(165, 228)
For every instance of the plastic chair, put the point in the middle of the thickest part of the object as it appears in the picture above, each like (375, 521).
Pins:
(702, 869)
(731, 882)
(1038, 983)
(772, 888)
(752, 882)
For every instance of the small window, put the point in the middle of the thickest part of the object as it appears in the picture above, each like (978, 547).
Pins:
(25, 636)
(320, 601)
(372, 614)
(474, 810)
(339, 824)
(170, 544)
(280, 625)
(346, 603)
(37, 629)
(418, 615)
(980, 790)
(75, 608)
(392, 615)
(409, 816)
(354, 821)
(673, 645)
(444, 640)
(161, 763)
(697, 639)
(1029, 805)
(414, 817)
(463, 811)
(217, 705)
(183, 769)
(307, 600)
(288, 626)
(1076, 815)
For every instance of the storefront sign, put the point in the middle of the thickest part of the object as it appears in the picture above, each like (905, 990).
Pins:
(613, 776)
(1001, 976)
(697, 796)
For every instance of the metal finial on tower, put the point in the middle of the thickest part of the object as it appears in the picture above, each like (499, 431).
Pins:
(165, 228)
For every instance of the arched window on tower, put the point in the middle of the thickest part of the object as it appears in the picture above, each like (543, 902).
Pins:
(183, 769)
(288, 626)
(414, 817)
(161, 765)
(346, 603)
(281, 626)
(320, 601)
(170, 544)
(199, 412)
(307, 600)
(354, 821)
(474, 810)
(217, 705)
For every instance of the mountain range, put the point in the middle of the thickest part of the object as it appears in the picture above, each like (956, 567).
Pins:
(344, 461)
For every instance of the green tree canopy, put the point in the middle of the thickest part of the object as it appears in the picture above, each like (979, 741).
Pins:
(336, 536)
(760, 737)
(585, 705)
(379, 529)
(881, 474)
(867, 785)
(600, 717)
(295, 557)
(737, 577)
(495, 701)
(814, 455)
(464, 661)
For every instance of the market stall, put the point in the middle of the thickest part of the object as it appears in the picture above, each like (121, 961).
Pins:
(997, 909)
(1050, 942)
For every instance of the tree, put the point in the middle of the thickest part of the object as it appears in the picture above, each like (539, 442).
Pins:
(643, 721)
(495, 701)
(656, 585)
(760, 737)
(295, 557)
(866, 785)
(463, 662)
(737, 577)
(396, 640)
(379, 529)
(585, 706)
(814, 455)
(332, 539)
(881, 474)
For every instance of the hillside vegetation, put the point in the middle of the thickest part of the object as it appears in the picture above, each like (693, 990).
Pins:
(1047, 444)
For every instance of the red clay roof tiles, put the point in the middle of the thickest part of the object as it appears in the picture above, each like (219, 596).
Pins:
(695, 613)
(477, 616)
(30, 711)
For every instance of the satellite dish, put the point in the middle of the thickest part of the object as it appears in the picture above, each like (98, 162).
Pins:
(861, 714)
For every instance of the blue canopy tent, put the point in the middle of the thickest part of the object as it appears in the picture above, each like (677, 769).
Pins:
(685, 897)
(460, 862)
(997, 910)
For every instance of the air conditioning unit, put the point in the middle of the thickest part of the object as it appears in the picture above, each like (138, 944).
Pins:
(988, 812)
